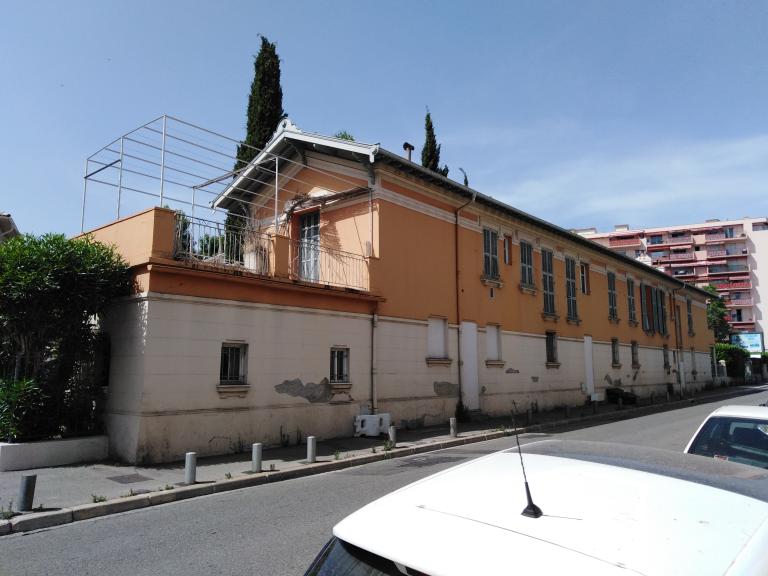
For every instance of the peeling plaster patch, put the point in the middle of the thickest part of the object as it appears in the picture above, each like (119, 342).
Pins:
(310, 391)
(448, 389)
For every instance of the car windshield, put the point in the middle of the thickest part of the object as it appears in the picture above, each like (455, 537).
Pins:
(340, 558)
(736, 439)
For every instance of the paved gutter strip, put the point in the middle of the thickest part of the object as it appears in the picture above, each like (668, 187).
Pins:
(40, 520)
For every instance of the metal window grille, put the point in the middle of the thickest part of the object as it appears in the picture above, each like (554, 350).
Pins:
(635, 354)
(548, 281)
(232, 367)
(615, 350)
(551, 348)
(339, 365)
(665, 351)
(612, 311)
(570, 287)
(490, 253)
(526, 264)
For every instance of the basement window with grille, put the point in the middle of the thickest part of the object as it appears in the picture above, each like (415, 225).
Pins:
(233, 380)
(232, 369)
(339, 365)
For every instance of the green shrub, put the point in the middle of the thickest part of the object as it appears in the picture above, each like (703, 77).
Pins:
(735, 358)
(22, 408)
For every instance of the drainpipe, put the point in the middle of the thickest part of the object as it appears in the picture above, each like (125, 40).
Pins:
(374, 322)
(458, 288)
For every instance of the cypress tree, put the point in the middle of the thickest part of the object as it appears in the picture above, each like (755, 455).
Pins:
(265, 103)
(265, 110)
(430, 154)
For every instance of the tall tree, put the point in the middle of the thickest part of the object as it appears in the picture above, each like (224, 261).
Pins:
(717, 315)
(265, 110)
(265, 103)
(430, 154)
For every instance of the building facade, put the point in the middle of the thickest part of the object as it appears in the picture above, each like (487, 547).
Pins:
(730, 255)
(363, 283)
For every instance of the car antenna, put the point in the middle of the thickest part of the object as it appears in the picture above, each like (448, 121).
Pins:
(531, 510)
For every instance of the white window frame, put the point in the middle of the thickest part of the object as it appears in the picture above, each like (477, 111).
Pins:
(507, 250)
(339, 352)
(584, 277)
(437, 338)
(492, 343)
(238, 374)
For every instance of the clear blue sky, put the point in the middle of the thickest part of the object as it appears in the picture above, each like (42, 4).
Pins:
(583, 113)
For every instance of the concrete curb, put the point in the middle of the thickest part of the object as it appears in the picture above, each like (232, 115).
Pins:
(37, 521)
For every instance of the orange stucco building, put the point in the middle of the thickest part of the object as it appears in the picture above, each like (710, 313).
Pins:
(362, 283)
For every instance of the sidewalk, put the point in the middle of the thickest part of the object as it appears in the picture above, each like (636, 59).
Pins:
(64, 487)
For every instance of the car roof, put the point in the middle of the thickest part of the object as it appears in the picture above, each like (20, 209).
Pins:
(598, 519)
(757, 412)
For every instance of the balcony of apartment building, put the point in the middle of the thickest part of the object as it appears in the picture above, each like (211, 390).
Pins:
(625, 242)
(199, 242)
(726, 286)
(724, 235)
(739, 302)
(726, 269)
(682, 238)
(679, 256)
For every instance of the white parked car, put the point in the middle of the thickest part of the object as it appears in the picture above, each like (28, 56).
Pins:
(734, 433)
(597, 518)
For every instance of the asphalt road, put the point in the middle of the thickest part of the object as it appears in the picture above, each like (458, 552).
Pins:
(276, 529)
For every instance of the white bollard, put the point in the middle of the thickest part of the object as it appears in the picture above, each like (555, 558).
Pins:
(256, 457)
(190, 468)
(454, 430)
(311, 449)
(393, 436)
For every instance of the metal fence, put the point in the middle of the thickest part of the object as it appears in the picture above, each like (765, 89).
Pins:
(217, 244)
(312, 262)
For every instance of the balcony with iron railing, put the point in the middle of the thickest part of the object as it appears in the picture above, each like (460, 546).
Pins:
(671, 241)
(214, 244)
(739, 303)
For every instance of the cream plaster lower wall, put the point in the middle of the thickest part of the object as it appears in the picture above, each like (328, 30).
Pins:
(163, 398)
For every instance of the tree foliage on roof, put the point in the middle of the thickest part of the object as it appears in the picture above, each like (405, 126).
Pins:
(430, 153)
(717, 315)
(344, 135)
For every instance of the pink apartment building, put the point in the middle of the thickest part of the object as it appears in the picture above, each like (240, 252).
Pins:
(731, 255)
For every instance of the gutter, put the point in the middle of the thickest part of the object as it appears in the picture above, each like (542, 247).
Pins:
(458, 291)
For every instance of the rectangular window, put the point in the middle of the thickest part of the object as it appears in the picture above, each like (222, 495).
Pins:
(309, 247)
(613, 313)
(551, 348)
(570, 288)
(548, 281)
(437, 338)
(492, 342)
(645, 315)
(662, 312)
(694, 372)
(631, 300)
(339, 364)
(232, 369)
(526, 264)
(584, 269)
(490, 253)
(665, 351)
(507, 250)
(635, 355)
(615, 359)
(689, 309)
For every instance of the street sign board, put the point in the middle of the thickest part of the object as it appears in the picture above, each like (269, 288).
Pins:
(752, 341)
